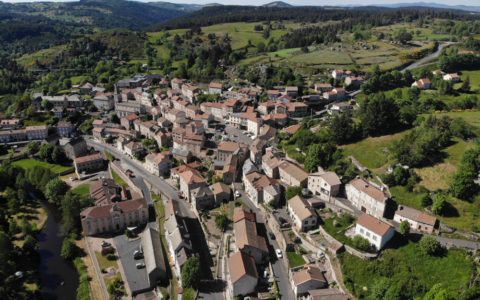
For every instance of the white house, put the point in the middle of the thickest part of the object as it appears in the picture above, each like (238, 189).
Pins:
(377, 232)
(324, 184)
(367, 197)
(309, 278)
(304, 217)
(453, 77)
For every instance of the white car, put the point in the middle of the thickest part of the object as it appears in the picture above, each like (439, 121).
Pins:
(237, 194)
(279, 253)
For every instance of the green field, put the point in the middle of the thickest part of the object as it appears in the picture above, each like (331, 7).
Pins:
(83, 189)
(30, 163)
(295, 259)
(405, 197)
(409, 270)
(119, 180)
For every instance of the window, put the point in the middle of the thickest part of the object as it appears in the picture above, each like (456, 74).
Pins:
(368, 234)
(361, 230)
(374, 237)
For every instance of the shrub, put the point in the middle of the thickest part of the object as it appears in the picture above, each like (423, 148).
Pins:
(429, 245)
(361, 243)
(426, 200)
(111, 256)
(404, 227)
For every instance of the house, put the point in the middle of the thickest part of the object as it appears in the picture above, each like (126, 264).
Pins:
(125, 108)
(247, 239)
(422, 84)
(64, 129)
(190, 180)
(377, 232)
(214, 88)
(354, 81)
(272, 95)
(229, 170)
(292, 175)
(177, 236)
(133, 148)
(291, 91)
(266, 108)
(202, 198)
(190, 91)
(243, 274)
(338, 74)
(261, 188)
(153, 256)
(292, 129)
(323, 87)
(173, 114)
(221, 192)
(104, 101)
(158, 163)
(86, 88)
(114, 217)
(337, 94)
(453, 77)
(89, 163)
(39, 132)
(304, 217)
(256, 151)
(417, 219)
(128, 121)
(308, 278)
(367, 197)
(270, 162)
(296, 109)
(177, 83)
(10, 123)
(339, 107)
(74, 147)
(253, 125)
(324, 184)
(226, 149)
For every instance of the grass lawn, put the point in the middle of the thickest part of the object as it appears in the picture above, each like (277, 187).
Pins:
(104, 263)
(188, 294)
(408, 270)
(466, 216)
(83, 189)
(295, 259)
(402, 196)
(474, 78)
(372, 152)
(30, 163)
(119, 180)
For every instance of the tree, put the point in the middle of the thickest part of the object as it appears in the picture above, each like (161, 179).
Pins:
(465, 85)
(191, 272)
(426, 200)
(381, 116)
(46, 151)
(361, 243)
(30, 244)
(114, 119)
(462, 185)
(342, 129)
(439, 204)
(293, 191)
(379, 288)
(54, 189)
(437, 292)
(32, 148)
(222, 221)
(69, 249)
(404, 228)
(58, 156)
(46, 105)
(429, 245)
(402, 35)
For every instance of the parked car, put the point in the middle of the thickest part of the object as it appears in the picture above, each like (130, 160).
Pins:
(180, 196)
(279, 254)
(140, 265)
(271, 235)
(237, 194)
(137, 254)
(105, 244)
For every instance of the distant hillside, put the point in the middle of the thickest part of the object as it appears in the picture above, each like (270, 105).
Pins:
(436, 5)
(307, 14)
(277, 4)
(96, 13)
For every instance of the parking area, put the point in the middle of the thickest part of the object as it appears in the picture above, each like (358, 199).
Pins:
(136, 278)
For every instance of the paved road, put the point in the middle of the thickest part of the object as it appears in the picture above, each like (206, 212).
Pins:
(237, 135)
(139, 172)
(420, 62)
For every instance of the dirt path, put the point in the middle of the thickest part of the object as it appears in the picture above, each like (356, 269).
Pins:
(95, 289)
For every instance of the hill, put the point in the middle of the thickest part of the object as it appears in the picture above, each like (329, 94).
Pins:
(277, 4)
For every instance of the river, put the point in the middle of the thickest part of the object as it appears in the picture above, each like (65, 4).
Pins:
(53, 269)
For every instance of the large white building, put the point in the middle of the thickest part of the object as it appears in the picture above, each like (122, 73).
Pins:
(367, 197)
(377, 232)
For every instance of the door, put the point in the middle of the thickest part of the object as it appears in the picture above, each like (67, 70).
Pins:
(364, 209)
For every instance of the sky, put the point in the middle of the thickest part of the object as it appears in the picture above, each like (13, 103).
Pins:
(298, 2)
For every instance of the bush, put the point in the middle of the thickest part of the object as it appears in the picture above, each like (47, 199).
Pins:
(361, 243)
(191, 273)
(429, 245)
(69, 249)
(439, 204)
(404, 228)
(111, 256)
(426, 200)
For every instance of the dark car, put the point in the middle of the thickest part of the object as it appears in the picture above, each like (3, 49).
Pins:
(271, 235)
(105, 244)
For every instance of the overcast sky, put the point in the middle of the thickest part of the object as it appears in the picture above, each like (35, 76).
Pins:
(300, 2)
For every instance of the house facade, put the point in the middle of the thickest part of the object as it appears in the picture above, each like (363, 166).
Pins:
(376, 231)
(367, 197)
